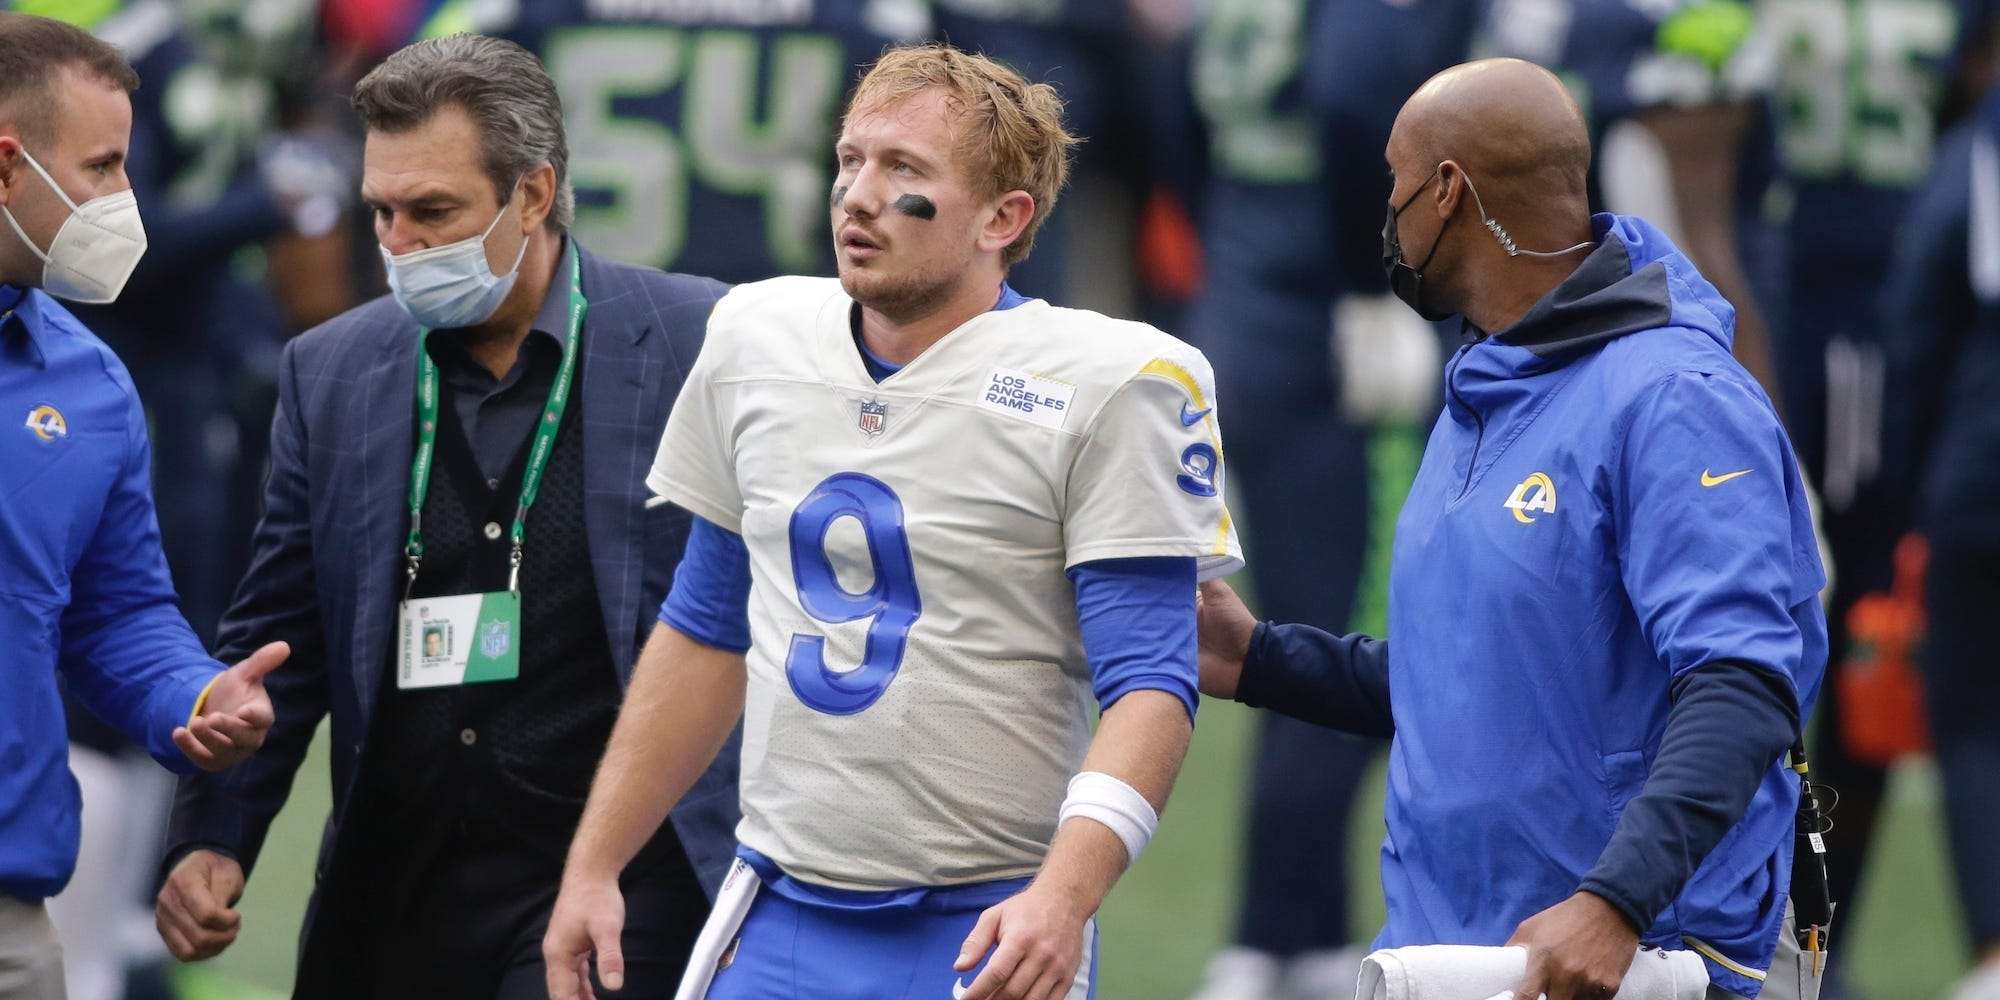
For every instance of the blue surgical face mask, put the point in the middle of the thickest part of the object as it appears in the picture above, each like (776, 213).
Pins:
(452, 285)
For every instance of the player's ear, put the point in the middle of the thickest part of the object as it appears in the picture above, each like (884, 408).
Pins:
(1009, 218)
(10, 165)
(538, 196)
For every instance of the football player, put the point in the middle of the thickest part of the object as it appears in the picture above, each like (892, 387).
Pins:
(935, 522)
(1859, 88)
(1298, 97)
(1942, 302)
(1673, 94)
(698, 132)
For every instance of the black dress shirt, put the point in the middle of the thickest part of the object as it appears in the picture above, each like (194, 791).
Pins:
(499, 414)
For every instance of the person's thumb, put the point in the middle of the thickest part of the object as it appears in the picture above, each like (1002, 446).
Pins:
(225, 880)
(1534, 981)
(604, 934)
(263, 661)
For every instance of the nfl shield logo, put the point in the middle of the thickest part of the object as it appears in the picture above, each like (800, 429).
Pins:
(494, 639)
(874, 417)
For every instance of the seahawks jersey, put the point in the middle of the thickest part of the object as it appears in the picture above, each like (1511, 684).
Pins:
(701, 133)
(1080, 47)
(1858, 87)
(1267, 213)
(1364, 58)
(918, 694)
(1622, 57)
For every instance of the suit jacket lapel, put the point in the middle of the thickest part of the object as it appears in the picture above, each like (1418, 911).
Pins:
(384, 410)
(619, 436)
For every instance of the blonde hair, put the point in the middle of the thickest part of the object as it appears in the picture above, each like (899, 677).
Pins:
(1010, 131)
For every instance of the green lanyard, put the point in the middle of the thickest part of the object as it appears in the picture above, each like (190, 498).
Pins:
(538, 456)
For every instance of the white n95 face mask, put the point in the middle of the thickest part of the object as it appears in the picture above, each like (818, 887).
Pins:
(96, 249)
(452, 285)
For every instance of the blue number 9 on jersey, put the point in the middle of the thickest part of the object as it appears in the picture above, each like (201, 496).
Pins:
(891, 599)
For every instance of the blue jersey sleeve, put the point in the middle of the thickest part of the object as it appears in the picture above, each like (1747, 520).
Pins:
(710, 599)
(126, 651)
(1138, 625)
(1715, 541)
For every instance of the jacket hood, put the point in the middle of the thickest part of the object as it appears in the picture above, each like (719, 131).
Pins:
(1635, 279)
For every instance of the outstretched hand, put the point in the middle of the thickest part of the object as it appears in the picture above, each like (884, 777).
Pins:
(1225, 625)
(237, 714)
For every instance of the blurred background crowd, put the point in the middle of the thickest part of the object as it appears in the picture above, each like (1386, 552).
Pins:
(1830, 165)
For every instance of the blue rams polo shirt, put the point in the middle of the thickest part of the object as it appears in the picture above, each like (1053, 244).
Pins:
(84, 588)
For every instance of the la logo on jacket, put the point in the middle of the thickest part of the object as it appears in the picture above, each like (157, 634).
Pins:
(1536, 493)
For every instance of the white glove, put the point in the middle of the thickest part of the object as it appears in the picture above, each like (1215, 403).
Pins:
(1386, 359)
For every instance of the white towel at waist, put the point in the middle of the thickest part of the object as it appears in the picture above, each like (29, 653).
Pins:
(1466, 972)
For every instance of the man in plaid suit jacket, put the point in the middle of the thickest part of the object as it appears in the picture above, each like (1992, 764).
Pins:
(453, 805)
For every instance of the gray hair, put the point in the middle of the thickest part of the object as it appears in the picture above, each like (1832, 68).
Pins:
(500, 84)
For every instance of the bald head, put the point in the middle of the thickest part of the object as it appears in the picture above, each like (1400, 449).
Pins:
(1502, 143)
(1508, 122)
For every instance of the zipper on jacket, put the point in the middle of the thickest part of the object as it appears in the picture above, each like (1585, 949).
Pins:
(1478, 421)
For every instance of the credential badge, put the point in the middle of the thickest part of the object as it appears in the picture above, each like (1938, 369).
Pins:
(874, 417)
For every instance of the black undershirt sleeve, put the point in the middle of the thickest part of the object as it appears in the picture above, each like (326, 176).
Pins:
(1729, 723)
(1337, 681)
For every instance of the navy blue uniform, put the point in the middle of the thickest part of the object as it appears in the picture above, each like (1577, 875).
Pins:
(1278, 251)
(1943, 322)
(1083, 48)
(1621, 58)
(1365, 58)
(1858, 89)
(1856, 98)
(703, 143)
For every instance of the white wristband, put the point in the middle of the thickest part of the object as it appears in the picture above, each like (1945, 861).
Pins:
(1116, 805)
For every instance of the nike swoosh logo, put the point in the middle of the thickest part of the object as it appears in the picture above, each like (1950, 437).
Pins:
(1189, 418)
(958, 985)
(1713, 481)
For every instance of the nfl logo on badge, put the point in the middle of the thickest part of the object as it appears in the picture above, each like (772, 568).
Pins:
(494, 638)
(874, 417)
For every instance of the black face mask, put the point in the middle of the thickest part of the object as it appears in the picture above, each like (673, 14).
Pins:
(1406, 281)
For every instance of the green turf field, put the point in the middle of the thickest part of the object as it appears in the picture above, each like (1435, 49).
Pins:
(1175, 906)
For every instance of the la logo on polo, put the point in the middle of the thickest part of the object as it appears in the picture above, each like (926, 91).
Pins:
(47, 423)
(1537, 493)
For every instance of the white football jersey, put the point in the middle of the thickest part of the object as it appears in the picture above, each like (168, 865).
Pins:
(918, 695)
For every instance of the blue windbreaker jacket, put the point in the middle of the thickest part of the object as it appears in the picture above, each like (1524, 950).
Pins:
(1607, 502)
(84, 589)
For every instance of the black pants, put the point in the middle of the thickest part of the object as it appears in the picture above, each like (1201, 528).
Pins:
(1296, 891)
(1963, 682)
(465, 919)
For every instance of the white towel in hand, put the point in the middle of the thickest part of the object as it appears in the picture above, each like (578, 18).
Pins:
(1466, 972)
